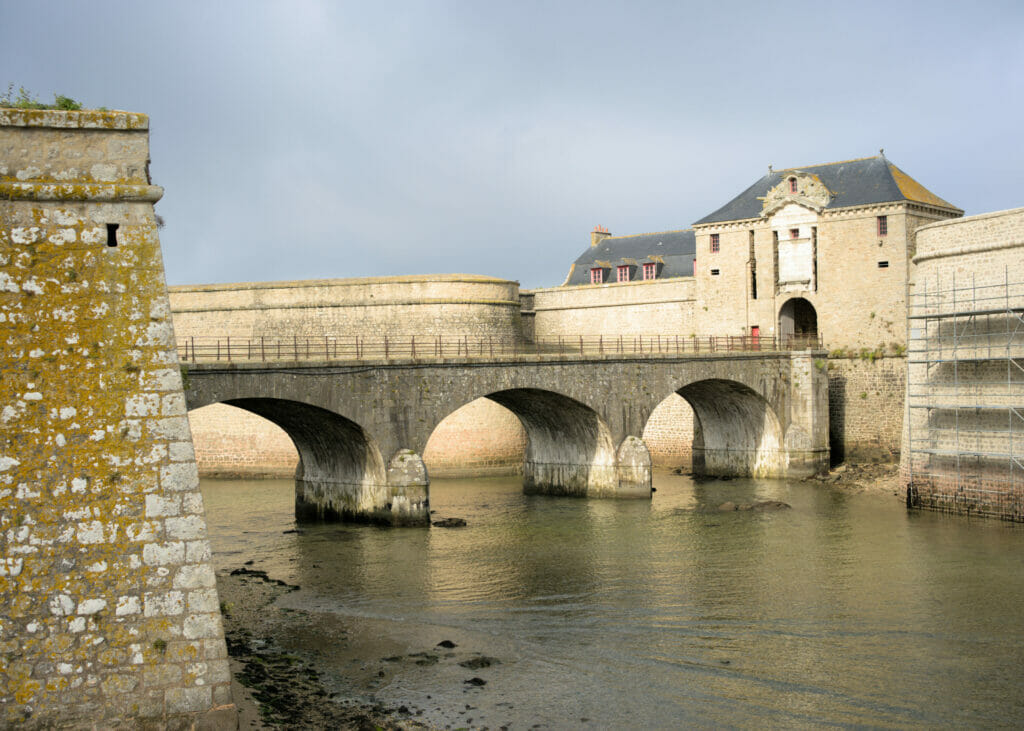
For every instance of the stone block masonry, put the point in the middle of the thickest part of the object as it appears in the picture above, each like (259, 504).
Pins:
(965, 398)
(109, 614)
(865, 403)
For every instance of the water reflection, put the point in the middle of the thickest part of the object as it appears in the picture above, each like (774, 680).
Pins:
(843, 610)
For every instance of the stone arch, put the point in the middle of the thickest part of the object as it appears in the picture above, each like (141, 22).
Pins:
(569, 448)
(341, 474)
(736, 431)
(233, 443)
(481, 438)
(797, 319)
(670, 431)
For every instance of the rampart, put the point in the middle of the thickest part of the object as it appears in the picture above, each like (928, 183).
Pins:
(964, 438)
(658, 306)
(428, 306)
(109, 613)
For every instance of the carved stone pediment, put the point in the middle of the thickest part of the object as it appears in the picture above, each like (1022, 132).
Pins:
(810, 193)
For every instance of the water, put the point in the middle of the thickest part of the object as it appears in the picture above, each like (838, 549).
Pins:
(845, 610)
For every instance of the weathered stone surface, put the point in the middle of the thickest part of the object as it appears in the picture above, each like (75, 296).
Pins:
(574, 410)
(91, 408)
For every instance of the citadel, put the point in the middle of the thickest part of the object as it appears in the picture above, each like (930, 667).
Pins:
(817, 255)
(832, 312)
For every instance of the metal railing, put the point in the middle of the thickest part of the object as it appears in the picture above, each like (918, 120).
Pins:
(413, 347)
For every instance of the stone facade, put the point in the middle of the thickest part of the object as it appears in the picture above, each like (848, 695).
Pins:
(965, 398)
(108, 606)
(854, 279)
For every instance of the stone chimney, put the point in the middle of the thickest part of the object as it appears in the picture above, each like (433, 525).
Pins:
(599, 234)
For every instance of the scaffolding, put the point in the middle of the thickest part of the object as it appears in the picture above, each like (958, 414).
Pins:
(965, 395)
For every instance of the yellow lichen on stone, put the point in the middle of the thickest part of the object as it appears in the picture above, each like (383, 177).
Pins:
(99, 502)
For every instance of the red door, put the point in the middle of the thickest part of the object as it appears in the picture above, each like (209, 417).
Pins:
(755, 337)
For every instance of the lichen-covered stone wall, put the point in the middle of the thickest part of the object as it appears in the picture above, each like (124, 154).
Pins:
(108, 607)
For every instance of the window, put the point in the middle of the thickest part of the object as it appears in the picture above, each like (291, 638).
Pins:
(794, 233)
(883, 265)
(714, 243)
(883, 225)
(596, 275)
(714, 272)
(622, 273)
(650, 271)
(792, 185)
(112, 233)
(752, 261)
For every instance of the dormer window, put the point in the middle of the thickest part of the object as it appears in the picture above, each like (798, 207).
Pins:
(714, 243)
(597, 275)
(622, 273)
(650, 271)
(794, 233)
(792, 185)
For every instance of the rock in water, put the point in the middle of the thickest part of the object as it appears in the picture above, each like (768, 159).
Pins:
(449, 523)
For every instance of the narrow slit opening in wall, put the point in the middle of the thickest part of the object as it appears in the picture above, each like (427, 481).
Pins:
(883, 265)
(714, 272)
(112, 234)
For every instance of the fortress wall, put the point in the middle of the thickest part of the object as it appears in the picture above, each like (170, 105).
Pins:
(234, 443)
(482, 438)
(447, 305)
(669, 434)
(109, 612)
(865, 408)
(659, 306)
(965, 367)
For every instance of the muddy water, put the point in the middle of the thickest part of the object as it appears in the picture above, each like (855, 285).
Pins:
(843, 610)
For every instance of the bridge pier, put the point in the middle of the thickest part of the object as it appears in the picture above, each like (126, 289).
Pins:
(623, 474)
(398, 497)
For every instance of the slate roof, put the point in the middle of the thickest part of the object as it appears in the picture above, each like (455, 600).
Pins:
(853, 183)
(675, 248)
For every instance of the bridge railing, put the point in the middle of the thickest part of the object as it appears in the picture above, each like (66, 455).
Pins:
(385, 347)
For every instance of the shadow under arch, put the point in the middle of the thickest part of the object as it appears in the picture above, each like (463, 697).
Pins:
(341, 474)
(736, 431)
(569, 448)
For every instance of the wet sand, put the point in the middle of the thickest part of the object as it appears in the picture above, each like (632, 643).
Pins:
(278, 688)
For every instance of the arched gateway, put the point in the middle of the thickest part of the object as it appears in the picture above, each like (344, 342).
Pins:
(798, 320)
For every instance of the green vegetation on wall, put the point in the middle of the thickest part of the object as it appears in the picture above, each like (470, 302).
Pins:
(24, 99)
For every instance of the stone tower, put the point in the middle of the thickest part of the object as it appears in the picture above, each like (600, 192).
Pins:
(108, 606)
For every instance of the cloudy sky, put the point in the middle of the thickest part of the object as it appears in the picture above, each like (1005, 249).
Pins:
(303, 140)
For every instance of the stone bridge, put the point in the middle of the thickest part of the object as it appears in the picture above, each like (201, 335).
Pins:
(360, 427)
